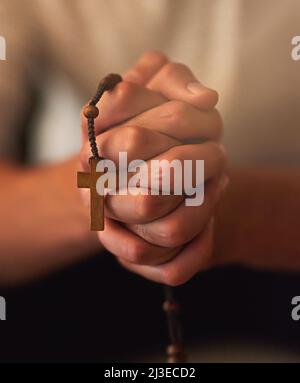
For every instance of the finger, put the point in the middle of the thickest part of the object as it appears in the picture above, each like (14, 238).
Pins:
(135, 208)
(129, 98)
(144, 208)
(146, 67)
(129, 247)
(169, 231)
(188, 171)
(177, 82)
(195, 257)
(125, 101)
(140, 208)
(182, 121)
(211, 153)
(137, 142)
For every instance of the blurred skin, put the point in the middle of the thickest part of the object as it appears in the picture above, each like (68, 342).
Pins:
(43, 223)
(159, 111)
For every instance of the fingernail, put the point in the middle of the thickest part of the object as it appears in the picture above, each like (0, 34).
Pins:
(195, 87)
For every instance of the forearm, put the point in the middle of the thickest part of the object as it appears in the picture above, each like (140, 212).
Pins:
(44, 225)
(258, 220)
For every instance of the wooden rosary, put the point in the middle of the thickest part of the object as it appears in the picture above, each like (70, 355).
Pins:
(175, 352)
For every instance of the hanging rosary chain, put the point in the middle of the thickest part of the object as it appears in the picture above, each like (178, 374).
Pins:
(92, 138)
(91, 111)
(175, 349)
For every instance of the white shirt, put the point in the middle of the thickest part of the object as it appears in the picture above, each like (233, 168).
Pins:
(241, 48)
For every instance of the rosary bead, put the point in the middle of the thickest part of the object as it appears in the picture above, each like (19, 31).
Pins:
(170, 306)
(174, 349)
(110, 81)
(175, 359)
(175, 354)
(91, 111)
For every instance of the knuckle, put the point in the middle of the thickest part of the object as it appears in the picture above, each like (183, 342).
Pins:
(124, 92)
(171, 68)
(177, 110)
(128, 138)
(135, 252)
(136, 74)
(172, 235)
(156, 57)
(144, 208)
(132, 132)
(144, 232)
(134, 138)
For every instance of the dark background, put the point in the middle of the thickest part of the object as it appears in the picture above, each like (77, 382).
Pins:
(98, 312)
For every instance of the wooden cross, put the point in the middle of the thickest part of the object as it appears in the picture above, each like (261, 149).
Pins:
(89, 180)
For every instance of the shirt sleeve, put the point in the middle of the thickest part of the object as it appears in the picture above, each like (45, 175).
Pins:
(21, 41)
